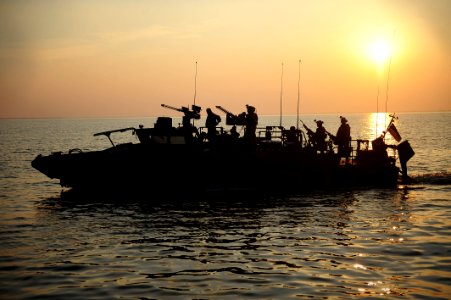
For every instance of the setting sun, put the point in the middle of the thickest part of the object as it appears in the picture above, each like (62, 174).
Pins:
(76, 59)
(380, 50)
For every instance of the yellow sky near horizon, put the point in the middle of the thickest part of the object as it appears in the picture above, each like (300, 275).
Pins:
(124, 58)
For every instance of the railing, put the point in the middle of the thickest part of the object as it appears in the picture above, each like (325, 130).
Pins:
(219, 130)
(278, 135)
(109, 132)
(355, 146)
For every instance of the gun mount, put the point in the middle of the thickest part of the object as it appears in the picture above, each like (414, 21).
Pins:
(309, 131)
(194, 113)
(231, 118)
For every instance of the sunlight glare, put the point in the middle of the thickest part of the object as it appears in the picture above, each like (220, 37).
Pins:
(378, 122)
(379, 51)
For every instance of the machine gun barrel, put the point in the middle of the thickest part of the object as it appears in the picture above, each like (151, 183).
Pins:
(305, 126)
(224, 110)
(331, 136)
(190, 114)
(231, 118)
(172, 107)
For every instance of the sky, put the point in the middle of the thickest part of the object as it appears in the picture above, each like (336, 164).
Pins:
(108, 58)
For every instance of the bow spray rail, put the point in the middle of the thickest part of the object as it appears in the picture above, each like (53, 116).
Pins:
(109, 132)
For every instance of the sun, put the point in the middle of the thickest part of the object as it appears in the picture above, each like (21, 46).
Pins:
(379, 50)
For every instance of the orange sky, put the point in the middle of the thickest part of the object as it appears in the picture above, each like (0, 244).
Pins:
(101, 58)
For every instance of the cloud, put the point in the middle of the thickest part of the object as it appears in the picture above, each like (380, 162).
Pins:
(152, 32)
(93, 45)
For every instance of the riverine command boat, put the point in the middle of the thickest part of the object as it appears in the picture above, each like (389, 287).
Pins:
(187, 158)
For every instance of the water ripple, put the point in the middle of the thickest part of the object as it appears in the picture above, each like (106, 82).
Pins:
(374, 243)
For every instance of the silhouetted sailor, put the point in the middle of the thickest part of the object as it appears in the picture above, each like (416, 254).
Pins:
(318, 137)
(343, 138)
(251, 122)
(291, 135)
(189, 128)
(211, 122)
(234, 133)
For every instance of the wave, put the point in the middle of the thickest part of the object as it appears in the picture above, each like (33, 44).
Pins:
(439, 178)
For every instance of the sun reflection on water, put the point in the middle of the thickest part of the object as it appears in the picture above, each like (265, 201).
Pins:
(359, 266)
(376, 125)
(377, 122)
(374, 288)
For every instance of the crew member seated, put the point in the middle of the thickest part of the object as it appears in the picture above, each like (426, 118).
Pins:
(234, 134)
(291, 136)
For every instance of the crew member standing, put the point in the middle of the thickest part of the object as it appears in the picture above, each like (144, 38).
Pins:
(251, 125)
(188, 128)
(343, 138)
(211, 122)
(320, 136)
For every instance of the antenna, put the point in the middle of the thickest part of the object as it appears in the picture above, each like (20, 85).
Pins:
(388, 76)
(281, 88)
(195, 85)
(377, 110)
(297, 109)
(195, 88)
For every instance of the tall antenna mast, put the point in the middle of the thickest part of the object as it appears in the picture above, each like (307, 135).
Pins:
(281, 89)
(299, 96)
(377, 109)
(388, 77)
(195, 85)
(195, 89)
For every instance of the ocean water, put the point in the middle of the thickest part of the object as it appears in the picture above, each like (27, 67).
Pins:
(374, 243)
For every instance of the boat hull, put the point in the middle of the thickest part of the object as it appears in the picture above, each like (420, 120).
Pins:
(162, 168)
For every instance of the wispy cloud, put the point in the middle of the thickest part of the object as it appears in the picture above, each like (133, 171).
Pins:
(92, 45)
(153, 32)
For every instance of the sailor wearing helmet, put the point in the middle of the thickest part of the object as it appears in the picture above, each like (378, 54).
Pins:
(251, 124)
(343, 137)
(320, 136)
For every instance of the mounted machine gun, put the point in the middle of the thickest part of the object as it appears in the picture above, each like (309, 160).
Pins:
(309, 131)
(194, 113)
(232, 119)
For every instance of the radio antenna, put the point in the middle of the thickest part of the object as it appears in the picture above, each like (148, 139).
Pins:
(388, 77)
(377, 109)
(281, 89)
(195, 85)
(195, 89)
(299, 95)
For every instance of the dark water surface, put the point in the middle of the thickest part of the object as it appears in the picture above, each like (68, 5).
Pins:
(376, 243)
